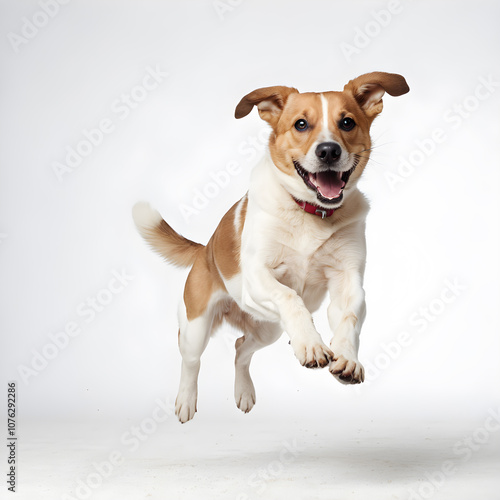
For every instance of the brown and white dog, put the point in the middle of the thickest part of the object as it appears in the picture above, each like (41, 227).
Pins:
(297, 235)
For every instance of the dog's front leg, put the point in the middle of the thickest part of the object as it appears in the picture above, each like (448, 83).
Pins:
(346, 313)
(267, 298)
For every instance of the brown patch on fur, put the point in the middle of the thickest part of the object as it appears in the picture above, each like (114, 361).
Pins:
(221, 256)
(203, 280)
(226, 241)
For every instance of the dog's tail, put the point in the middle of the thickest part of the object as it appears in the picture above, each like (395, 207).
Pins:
(173, 247)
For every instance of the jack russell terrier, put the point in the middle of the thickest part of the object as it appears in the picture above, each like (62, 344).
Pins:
(297, 235)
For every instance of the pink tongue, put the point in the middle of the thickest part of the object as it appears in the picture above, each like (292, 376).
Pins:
(329, 184)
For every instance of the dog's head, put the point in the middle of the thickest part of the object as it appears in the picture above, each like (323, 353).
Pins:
(321, 141)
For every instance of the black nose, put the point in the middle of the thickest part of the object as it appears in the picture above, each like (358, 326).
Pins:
(328, 152)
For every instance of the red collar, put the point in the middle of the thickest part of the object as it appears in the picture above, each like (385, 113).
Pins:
(314, 209)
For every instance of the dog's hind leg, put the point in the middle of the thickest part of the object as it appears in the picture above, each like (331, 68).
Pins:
(256, 336)
(196, 316)
(193, 339)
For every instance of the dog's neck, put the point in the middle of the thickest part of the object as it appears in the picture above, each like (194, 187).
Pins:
(314, 209)
(269, 190)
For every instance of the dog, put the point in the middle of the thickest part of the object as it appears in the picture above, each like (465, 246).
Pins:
(294, 238)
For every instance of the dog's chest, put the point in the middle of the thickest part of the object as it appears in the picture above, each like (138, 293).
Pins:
(299, 254)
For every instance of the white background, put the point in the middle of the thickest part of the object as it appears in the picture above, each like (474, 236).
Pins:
(62, 237)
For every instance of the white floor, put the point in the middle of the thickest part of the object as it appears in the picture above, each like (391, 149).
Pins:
(247, 458)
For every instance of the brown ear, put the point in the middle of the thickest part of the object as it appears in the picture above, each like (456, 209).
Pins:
(270, 102)
(369, 89)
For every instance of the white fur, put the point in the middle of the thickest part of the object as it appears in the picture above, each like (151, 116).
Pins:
(237, 215)
(325, 134)
(145, 216)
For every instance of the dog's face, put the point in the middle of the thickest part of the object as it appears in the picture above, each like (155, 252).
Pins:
(321, 141)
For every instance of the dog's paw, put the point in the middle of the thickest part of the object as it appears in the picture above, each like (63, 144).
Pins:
(313, 354)
(185, 406)
(245, 401)
(347, 371)
(244, 394)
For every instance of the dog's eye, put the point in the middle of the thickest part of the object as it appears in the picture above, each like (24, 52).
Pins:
(347, 124)
(301, 125)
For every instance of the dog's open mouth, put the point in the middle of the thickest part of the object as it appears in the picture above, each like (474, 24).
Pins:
(329, 185)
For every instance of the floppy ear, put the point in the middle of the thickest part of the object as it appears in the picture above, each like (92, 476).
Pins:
(270, 102)
(369, 89)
